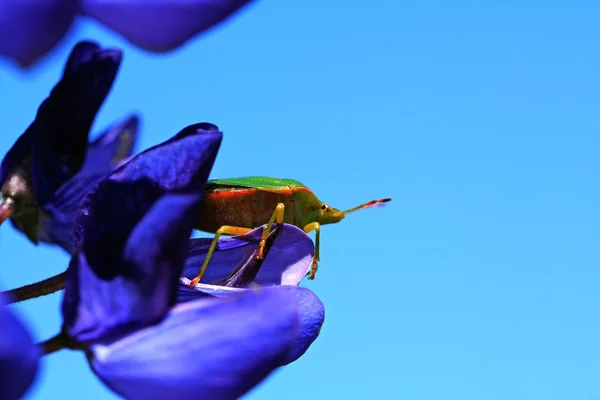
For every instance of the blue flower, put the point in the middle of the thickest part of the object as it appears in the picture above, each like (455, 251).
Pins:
(51, 165)
(18, 356)
(29, 29)
(120, 303)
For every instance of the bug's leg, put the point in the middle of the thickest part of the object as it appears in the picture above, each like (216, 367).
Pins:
(276, 217)
(224, 230)
(314, 226)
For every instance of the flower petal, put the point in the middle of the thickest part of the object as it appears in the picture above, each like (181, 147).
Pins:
(29, 29)
(18, 356)
(61, 127)
(58, 217)
(82, 53)
(117, 143)
(15, 156)
(211, 348)
(160, 25)
(288, 261)
(132, 234)
(312, 316)
(311, 309)
(55, 224)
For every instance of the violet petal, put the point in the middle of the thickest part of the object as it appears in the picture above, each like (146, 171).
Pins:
(210, 348)
(29, 29)
(60, 131)
(114, 145)
(56, 222)
(160, 25)
(287, 262)
(310, 307)
(132, 234)
(312, 316)
(19, 356)
(81, 53)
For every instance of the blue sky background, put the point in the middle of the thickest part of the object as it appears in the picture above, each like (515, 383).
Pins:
(480, 120)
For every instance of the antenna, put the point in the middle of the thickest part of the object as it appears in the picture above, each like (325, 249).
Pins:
(366, 205)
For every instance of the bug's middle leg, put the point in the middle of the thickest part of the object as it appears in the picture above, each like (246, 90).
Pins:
(314, 226)
(276, 217)
(224, 230)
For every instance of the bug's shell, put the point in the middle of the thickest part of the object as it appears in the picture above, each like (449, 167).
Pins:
(250, 202)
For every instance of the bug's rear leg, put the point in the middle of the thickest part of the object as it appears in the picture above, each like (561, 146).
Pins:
(314, 226)
(224, 230)
(276, 217)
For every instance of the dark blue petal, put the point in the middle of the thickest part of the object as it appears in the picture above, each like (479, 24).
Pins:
(132, 236)
(160, 25)
(82, 53)
(210, 349)
(287, 262)
(61, 127)
(19, 151)
(58, 216)
(113, 146)
(18, 356)
(28, 29)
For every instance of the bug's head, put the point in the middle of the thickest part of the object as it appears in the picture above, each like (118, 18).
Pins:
(330, 215)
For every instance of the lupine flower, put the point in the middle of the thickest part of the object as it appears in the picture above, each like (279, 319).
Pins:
(51, 165)
(120, 305)
(29, 29)
(18, 356)
(289, 260)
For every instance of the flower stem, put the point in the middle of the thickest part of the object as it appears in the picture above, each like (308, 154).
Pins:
(54, 344)
(42, 288)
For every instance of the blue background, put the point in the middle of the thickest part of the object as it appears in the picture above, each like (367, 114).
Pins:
(480, 119)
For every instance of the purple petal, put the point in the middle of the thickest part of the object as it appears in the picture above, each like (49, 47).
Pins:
(18, 356)
(160, 25)
(61, 127)
(115, 144)
(28, 29)
(211, 348)
(287, 262)
(132, 233)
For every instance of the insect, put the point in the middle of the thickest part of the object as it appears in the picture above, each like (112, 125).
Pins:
(236, 206)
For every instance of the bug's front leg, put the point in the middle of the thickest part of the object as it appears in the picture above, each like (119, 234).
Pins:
(224, 230)
(276, 217)
(314, 226)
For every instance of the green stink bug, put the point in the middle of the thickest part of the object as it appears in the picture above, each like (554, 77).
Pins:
(236, 206)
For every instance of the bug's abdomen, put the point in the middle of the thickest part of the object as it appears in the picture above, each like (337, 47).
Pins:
(243, 207)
